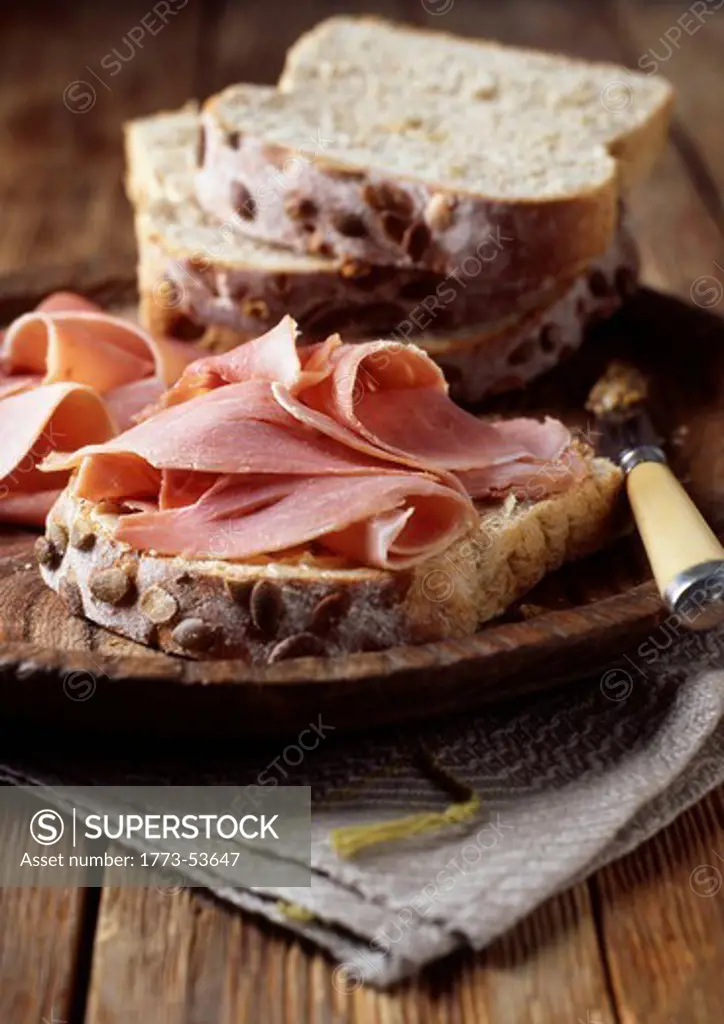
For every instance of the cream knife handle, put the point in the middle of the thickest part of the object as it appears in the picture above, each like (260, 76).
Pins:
(686, 558)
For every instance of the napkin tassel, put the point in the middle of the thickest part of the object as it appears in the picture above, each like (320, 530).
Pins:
(350, 840)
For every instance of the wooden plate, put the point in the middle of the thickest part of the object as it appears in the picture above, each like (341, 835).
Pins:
(68, 673)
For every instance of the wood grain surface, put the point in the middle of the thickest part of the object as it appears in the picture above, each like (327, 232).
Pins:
(643, 940)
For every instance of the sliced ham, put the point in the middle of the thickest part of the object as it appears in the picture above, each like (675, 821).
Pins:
(356, 448)
(236, 429)
(34, 423)
(273, 358)
(55, 364)
(84, 345)
(244, 517)
(14, 385)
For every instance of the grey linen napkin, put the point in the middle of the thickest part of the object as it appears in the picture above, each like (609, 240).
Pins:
(568, 781)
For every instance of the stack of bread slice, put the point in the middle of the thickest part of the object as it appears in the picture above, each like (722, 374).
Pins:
(465, 196)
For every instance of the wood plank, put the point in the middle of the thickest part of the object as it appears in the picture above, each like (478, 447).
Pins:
(182, 959)
(685, 44)
(61, 176)
(662, 911)
(524, 972)
(678, 214)
(39, 953)
(237, 44)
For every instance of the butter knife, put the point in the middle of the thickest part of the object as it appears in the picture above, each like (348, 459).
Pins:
(686, 557)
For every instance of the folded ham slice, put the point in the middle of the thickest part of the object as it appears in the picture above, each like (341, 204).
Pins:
(56, 363)
(355, 448)
(34, 423)
(387, 521)
(68, 338)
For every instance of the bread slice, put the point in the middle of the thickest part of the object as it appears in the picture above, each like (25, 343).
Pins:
(392, 145)
(405, 182)
(314, 605)
(627, 112)
(507, 355)
(206, 281)
(479, 359)
(200, 282)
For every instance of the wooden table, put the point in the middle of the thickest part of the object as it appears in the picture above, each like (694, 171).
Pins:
(638, 942)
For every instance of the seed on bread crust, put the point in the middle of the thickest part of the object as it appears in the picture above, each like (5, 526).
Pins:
(385, 196)
(201, 147)
(112, 586)
(233, 139)
(299, 208)
(328, 612)
(46, 553)
(417, 239)
(266, 607)
(255, 308)
(58, 537)
(353, 269)
(317, 245)
(82, 536)
(158, 605)
(194, 635)
(394, 226)
(299, 645)
(239, 591)
(349, 224)
(70, 595)
(438, 212)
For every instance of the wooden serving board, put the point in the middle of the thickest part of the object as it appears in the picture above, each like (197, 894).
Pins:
(66, 672)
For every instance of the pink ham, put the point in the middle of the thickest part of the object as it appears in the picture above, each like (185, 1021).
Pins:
(389, 522)
(70, 339)
(33, 424)
(236, 429)
(355, 448)
(273, 358)
(50, 359)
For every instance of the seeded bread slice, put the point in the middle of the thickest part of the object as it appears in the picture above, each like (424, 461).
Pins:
(479, 359)
(195, 272)
(406, 181)
(506, 356)
(400, 146)
(593, 102)
(313, 605)
(202, 281)
(199, 282)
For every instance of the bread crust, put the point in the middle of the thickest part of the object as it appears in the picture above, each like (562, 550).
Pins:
(316, 606)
